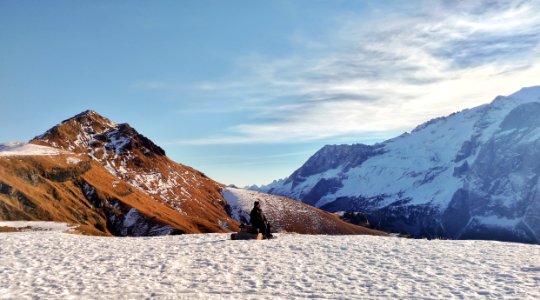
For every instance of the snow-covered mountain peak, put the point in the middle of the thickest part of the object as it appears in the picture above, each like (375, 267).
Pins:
(531, 93)
(91, 133)
(332, 156)
(453, 176)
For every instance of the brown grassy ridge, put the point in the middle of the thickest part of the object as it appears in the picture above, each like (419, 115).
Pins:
(196, 196)
(48, 188)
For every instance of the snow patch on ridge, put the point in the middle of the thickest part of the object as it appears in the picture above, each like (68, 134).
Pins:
(73, 160)
(39, 225)
(26, 149)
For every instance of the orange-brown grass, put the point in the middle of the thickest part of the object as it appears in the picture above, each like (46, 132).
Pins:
(48, 188)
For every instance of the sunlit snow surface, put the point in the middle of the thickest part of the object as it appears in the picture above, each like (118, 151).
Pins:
(24, 149)
(54, 265)
(38, 225)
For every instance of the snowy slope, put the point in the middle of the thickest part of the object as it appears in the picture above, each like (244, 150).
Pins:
(25, 149)
(38, 225)
(52, 265)
(241, 203)
(473, 174)
(288, 215)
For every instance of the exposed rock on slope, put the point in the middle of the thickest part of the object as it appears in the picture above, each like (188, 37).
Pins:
(472, 175)
(75, 189)
(290, 215)
(132, 157)
(109, 179)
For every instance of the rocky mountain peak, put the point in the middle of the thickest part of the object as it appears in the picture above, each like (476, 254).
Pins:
(135, 159)
(91, 133)
(90, 117)
(333, 156)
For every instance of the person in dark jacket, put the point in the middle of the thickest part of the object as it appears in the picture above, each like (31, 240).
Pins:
(259, 221)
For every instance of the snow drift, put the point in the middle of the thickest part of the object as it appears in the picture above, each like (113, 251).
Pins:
(54, 265)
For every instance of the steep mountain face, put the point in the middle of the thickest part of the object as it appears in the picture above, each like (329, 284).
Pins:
(470, 175)
(37, 183)
(288, 215)
(133, 158)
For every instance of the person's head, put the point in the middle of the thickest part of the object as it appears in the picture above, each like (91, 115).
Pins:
(256, 204)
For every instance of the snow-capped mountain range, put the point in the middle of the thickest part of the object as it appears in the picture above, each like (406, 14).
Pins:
(474, 174)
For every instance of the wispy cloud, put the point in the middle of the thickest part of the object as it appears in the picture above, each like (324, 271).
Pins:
(372, 79)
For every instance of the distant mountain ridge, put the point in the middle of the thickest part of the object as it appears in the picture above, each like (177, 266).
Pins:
(474, 174)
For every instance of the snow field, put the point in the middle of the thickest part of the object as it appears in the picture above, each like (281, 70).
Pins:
(56, 265)
(24, 149)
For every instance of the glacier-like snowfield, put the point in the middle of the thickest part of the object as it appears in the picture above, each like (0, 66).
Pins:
(52, 265)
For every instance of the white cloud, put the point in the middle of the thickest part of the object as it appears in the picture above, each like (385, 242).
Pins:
(372, 79)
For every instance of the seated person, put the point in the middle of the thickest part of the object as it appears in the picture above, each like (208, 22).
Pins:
(259, 221)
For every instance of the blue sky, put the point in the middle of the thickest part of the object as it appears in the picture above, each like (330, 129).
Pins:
(246, 91)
